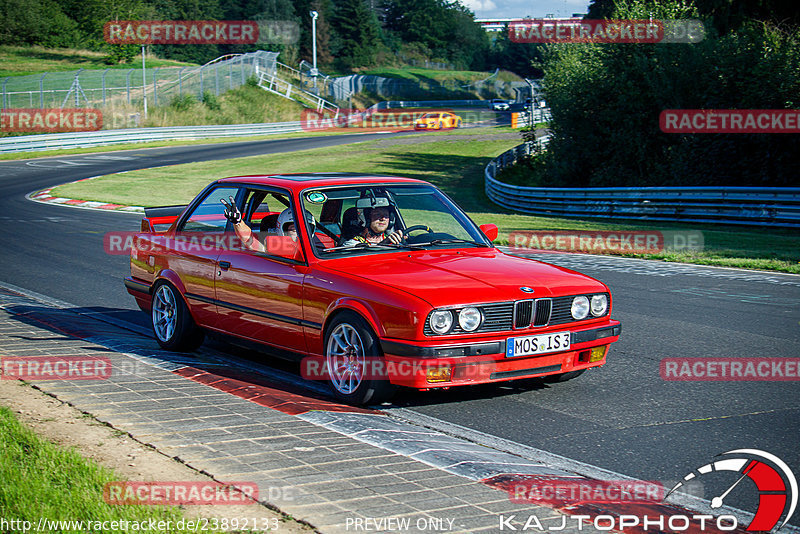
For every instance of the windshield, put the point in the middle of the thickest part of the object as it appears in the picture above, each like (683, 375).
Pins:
(361, 219)
(430, 116)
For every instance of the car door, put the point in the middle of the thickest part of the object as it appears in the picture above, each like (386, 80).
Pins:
(259, 294)
(192, 252)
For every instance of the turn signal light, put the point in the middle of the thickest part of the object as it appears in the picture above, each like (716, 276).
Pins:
(598, 353)
(439, 374)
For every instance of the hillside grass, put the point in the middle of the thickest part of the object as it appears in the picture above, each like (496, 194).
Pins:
(247, 104)
(26, 60)
(454, 161)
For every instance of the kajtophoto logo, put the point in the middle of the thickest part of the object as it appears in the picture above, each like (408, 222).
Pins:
(774, 481)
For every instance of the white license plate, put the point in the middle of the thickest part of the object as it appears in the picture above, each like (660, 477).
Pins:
(541, 344)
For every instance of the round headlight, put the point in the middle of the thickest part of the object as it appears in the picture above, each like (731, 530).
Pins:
(469, 319)
(599, 305)
(580, 307)
(441, 321)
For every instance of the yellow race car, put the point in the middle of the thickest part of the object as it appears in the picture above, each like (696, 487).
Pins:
(436, 120)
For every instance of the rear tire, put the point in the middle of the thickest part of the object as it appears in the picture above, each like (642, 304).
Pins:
(172, 323)
(351, 348)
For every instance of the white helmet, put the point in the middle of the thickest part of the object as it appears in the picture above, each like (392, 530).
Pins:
(286, 217)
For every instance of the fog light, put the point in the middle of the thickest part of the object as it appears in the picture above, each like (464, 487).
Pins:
(598, 353)
(439, 374)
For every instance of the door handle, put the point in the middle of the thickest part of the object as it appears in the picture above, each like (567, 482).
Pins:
(224, 265)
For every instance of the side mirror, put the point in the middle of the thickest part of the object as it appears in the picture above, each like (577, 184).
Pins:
(490, 231)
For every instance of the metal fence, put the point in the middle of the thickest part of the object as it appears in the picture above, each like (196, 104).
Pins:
(762, 206)
(128, 87)
(32, 143)
(341, 88)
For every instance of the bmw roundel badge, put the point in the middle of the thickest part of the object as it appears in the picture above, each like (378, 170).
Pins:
(526, 289)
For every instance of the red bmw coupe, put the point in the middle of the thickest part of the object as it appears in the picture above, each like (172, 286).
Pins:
(294, 263)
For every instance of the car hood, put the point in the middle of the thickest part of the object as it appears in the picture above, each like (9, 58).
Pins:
(450, 277)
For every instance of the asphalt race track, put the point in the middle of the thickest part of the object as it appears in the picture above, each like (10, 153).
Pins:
(622, 417)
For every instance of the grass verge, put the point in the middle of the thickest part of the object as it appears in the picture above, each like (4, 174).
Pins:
(41, 480)
(454, 161)
(26, 60)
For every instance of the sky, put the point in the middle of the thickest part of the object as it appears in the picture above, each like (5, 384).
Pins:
(500, 9)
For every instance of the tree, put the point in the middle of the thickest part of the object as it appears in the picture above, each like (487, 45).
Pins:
(40, 22)
(357, 34)
(606, 101)
(188, 10)
(447, 29)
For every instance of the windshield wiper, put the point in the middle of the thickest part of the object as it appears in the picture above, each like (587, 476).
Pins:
(365, 246)
(399, 245)
(454, 240)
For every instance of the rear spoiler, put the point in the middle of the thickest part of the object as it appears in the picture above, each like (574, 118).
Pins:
(160, 215)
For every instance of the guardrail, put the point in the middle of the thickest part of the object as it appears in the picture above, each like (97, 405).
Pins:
(393, 104)
(32, 143)
(760, 206)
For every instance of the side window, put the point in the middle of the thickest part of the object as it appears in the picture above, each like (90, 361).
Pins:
(208, 215)
(262, 212)
(263, 209)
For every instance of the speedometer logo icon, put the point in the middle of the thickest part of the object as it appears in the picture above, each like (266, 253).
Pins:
(776, 484)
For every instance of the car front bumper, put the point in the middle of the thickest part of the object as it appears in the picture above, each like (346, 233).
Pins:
(426, 365)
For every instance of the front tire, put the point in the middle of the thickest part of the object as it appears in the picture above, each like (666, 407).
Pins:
(172, 323)
(353, 358)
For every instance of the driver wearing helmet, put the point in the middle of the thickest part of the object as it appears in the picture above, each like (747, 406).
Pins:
(377, 229)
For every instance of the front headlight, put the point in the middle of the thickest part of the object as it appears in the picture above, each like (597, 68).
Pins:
(580, 307)
(599, 305)
(441, 321)
(469, 319)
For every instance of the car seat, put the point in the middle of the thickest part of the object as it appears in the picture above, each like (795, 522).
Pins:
(269, 223)
(351, 225)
